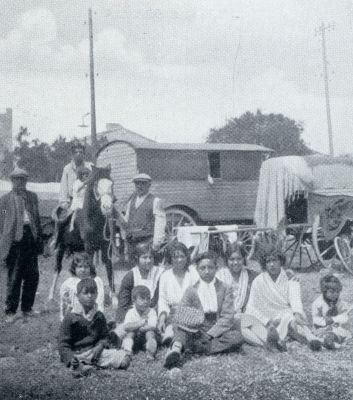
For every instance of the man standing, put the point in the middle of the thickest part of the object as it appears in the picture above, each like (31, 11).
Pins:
(145, 218)
(20, 244)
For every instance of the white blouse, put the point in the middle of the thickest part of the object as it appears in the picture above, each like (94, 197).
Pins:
(171, 291)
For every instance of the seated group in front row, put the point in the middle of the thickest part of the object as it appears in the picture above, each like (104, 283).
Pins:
(197, 308)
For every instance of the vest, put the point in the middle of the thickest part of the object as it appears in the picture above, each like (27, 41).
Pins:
(141, 219)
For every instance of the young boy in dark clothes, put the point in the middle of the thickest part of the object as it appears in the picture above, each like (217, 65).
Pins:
(83, 335)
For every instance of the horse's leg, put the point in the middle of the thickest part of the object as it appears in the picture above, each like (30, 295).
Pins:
(110, 274)
(59, 255)
(108, 266)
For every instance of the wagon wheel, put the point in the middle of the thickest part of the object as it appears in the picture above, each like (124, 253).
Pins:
(324, 249)
(298, 246)
(177, 217)
(247, 238)
(344, 252)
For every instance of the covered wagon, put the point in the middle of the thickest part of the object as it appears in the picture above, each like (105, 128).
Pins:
(311, 198)
(200, 183)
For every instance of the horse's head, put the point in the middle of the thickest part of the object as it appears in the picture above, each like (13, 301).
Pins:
(103, 188)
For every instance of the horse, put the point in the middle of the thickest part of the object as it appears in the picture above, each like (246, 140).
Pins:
(93, 228)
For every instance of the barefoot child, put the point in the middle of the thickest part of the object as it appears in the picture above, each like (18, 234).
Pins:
(83, 335)
(140, 323)
(330, 313)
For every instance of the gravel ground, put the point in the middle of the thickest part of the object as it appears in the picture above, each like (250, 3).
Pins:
(30, 367)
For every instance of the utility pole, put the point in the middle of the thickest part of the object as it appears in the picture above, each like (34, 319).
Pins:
(91, 75)
(322, 30)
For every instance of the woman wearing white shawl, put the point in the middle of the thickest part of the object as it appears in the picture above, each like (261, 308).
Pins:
(275, 301)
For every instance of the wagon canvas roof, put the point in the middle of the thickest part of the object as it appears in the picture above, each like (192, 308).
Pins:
(202, 146)
(282, 177)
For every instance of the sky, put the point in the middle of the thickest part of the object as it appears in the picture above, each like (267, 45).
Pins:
(174, 69)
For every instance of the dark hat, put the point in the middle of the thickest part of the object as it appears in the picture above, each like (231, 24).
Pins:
(19, 173)
(189, 319)
(141, 178)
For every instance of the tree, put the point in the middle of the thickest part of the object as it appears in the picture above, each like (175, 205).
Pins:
(275, 131)
(44, 162)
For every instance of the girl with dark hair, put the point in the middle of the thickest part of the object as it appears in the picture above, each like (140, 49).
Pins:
(81, 268)
(172, 286)
(144, 273)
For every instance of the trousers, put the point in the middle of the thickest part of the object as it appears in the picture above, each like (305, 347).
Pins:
(22, 273)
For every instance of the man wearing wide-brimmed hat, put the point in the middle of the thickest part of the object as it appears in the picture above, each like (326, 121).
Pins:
(20, 244)
(145, 217)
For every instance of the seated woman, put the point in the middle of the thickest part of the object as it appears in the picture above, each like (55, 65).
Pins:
(331, 314)
(172, 286)
(275, 300)
(213, 333)
(81, 268)
(145, 274)
(239, 278)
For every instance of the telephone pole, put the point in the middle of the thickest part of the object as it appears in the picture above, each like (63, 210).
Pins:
(91, 75)
(322, 30)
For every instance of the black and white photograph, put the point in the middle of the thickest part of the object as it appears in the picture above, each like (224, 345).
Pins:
(176, 199)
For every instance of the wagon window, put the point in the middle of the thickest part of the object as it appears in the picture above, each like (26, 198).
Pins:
(214, 162)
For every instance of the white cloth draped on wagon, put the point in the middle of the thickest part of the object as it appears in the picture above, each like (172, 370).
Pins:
(280, 179)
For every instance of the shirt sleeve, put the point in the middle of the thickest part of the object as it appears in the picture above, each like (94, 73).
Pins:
(64, 187)
(160, 221)
(65, 341)
(124, 296)
(342, 317)
(100, 294)
(316, 312)
(130, 317)
(152, 318)
(163, 305)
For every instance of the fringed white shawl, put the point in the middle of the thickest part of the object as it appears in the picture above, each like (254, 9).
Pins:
(271, 300)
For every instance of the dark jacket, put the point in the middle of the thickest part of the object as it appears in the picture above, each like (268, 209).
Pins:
(77, 334)
(8, 221)
(252, 275)
(225, 302)
(124, 296)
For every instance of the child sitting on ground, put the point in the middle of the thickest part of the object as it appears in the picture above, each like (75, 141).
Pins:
(140, 323)
(83, 335)
(330, 313)
(81, 267)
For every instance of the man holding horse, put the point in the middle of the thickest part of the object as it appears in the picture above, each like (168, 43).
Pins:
(20, 244)
(145, 217)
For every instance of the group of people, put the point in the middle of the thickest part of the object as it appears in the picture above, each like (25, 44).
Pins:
(196, 306)
(189, 303)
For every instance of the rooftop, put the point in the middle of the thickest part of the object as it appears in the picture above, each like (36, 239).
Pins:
(201, 146)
